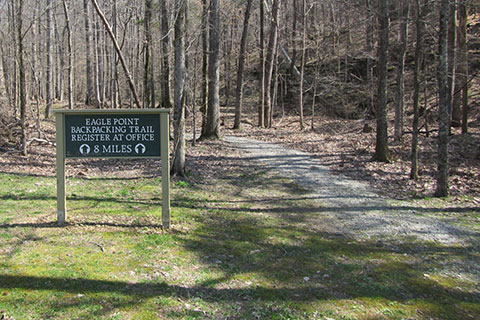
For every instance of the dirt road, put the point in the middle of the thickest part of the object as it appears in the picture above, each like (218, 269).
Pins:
(351, 206)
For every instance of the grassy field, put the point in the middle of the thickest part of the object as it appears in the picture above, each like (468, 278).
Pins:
(239, 247)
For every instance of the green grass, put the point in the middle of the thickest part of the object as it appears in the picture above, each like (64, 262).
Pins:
(243, 247)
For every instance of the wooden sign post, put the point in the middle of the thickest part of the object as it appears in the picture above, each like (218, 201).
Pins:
(120, 133)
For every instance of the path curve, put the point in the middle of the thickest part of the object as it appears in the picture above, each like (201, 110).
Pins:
(353, 208)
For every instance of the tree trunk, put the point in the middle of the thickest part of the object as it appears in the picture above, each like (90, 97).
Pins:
(100, 66)
(59, 59)
(227, 58)
(369, 49)
(420, 26)
(212, 129)
(261, 104)
(165, 79)
(275, 88)
(460, 109)
(89, 99)
(241, 67)
(178, 167)
(302, 66)
(451, 49)
(119, 52)
(96, 56)
(22, 78)
(204, 83)
(400, 105)
(114, 69)
(444, 103)
(69, 53)
(12, 30)
(294, 36)
(270, 60)
(33, 50)
(40, 49)
(381, 147)
(194, 94)
(148, 81)
(315, 79)
(6, 77)
(48, 86)
(136, 70)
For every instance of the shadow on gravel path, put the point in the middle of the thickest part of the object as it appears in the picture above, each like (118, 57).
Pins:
(356, 209)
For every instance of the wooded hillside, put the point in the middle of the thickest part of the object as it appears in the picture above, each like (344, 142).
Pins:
(412, 65)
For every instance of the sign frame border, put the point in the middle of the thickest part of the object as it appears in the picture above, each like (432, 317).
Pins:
(60, 134)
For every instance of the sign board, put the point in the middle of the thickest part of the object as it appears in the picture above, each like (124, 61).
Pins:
(112, 135)
(119, 133)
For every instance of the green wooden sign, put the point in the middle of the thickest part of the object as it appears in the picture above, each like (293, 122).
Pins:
(120, 133)
(112, 135)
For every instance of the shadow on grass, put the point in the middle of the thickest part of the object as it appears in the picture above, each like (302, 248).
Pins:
(207, 293)
(186, 202)
(338, 269)
(329, 266)
(33, 197)
(148, 174)
(278, 260)
(180, 201)
(48, 225)
(296, 210)
(234, 237)
(292, 209)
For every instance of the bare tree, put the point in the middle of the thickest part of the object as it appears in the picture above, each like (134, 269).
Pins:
(131, 84)
(444, 103)
(204, 81)
(22, 76)
(270, 60)
(294, 35)
(48, 84)
(381, 147)
(178, 167)
(369, 47)
(400, 105)
(212, 128)
(114, 70)
(460, 101)
(97, 53)
(165, 79)
(70, 55)
(89, 99)
(302, 67)
(59, 58)
(451, 50)
(420, 26)
(241, 66)
(229, 31)
(261, 104)
(6, 76)
(148, 81)
(12, 29)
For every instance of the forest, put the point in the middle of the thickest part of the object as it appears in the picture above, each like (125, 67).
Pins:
(407, 69)
(324, 159)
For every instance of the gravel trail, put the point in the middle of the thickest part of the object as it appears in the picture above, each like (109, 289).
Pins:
(351, 207)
